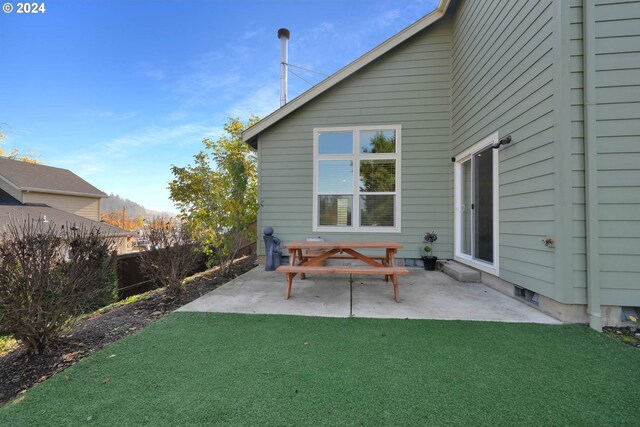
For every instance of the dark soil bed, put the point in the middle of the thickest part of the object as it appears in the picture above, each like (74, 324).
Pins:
(20, 371)
(628, 335)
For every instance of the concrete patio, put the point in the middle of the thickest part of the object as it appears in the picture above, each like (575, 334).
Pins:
(423, 295)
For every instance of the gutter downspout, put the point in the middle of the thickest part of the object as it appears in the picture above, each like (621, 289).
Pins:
(590, 164)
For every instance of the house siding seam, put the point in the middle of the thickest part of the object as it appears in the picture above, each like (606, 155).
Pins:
(579, 244)
(502, 80)
(408, 86)
(563, 172)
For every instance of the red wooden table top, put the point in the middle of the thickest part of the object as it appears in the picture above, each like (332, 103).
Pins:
(343, 245)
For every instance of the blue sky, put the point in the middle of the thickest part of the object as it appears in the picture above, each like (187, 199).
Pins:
(118, 91)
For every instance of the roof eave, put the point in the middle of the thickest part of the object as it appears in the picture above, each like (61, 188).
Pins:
(250, 134)
(64, 193)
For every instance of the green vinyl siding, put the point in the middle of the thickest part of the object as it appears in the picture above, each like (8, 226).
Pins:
(618, 137)
(618, 140)
(408, 86)
(502, 80)
(514, 67)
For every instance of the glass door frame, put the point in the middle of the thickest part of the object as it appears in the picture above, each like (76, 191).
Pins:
(492, 268)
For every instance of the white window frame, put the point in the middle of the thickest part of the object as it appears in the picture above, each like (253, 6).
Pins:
(356, 157)
(491, 268)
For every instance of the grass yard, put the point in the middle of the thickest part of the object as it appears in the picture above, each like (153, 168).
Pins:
(206, 368)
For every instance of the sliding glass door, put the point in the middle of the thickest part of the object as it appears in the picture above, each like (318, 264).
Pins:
(476, 206)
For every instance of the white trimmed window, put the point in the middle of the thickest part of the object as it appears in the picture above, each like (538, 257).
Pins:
(356, 179)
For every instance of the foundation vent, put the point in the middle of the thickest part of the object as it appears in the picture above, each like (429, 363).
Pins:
(626, 313)
(527, 295)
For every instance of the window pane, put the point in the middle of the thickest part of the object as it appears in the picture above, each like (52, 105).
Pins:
(335, 210)
(467, 227)
(378, 141)
(483, 204)
(378, 176)
(335, 143)
(335, 176)
(377, 211)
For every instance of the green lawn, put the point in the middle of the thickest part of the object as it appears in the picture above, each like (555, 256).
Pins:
(192, 368)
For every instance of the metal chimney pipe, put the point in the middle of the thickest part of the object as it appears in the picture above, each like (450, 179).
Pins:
(283, 35)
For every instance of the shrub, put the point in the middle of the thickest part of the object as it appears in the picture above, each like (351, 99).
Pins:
(49, 275)
(171, 256)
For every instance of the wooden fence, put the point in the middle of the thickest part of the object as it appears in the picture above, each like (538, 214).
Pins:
(131, 281)
(248, 245)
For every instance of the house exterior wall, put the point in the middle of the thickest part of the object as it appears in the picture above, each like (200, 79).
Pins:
(512, 67)
(87, 207)
(502, 66)
(11, 190)
(618, 136)
(617, 96)
(408, 86)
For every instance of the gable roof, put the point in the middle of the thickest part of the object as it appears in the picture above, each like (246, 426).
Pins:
(12, 210)
(25, 176)
(20, 212)
(251, 133)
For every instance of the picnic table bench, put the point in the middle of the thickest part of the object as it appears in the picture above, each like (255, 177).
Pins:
(309, 258)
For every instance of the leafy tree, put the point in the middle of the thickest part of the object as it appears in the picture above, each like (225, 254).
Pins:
(15, 154)
(378, 176)
(217, 196)
(128, 223)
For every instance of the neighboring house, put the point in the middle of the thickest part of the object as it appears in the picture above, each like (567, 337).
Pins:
(57, 195)
(399, 142)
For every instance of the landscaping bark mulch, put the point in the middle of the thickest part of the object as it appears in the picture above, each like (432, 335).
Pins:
(626, 334)
(20, 371)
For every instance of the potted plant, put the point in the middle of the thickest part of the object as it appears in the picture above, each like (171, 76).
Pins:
(429, 260)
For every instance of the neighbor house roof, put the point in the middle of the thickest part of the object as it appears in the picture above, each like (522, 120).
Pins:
(13, 210)
(34, 177)
(250, 134)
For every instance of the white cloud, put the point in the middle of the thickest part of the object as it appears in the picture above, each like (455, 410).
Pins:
(387, 18)
(196, 87)
(309, 38)
(351, 37)
(150, 71)
(260, 102)
(116, 116)
(101, 157)
(178, 115)
(152, 137)
(221, 74)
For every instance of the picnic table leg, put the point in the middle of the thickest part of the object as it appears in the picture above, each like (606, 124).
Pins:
(302, 275)
(392, 262)
(386, 264)
(287, 292)
(396, 294)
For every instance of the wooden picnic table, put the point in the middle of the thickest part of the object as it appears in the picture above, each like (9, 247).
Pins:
(309, 257)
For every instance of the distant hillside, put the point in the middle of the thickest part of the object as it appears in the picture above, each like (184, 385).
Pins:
(115, 203)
